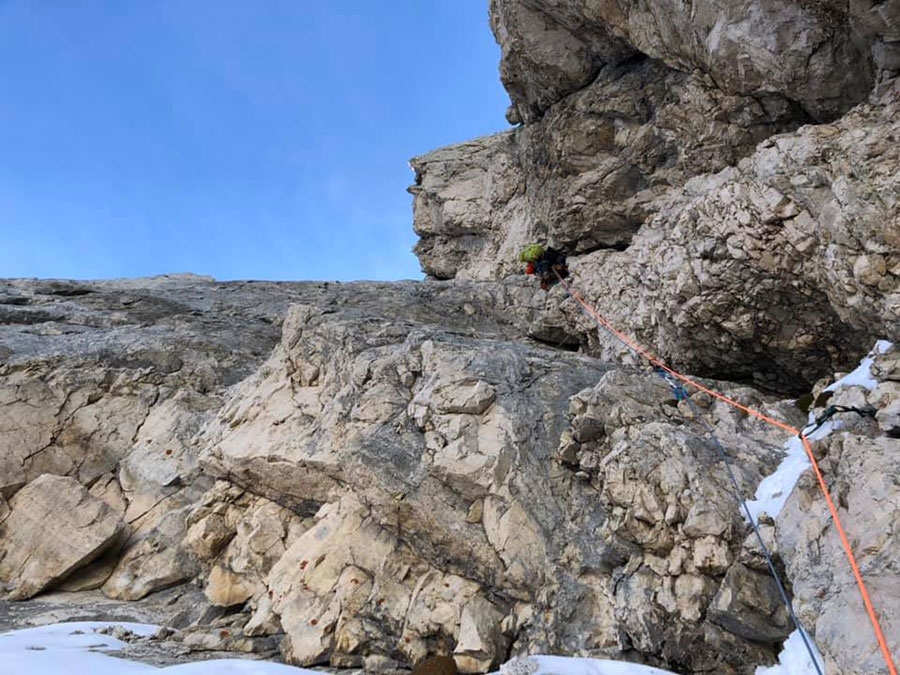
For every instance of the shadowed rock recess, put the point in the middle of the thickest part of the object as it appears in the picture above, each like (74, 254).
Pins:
(366, 475)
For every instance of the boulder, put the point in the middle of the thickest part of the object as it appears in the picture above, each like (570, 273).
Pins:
(54, 528)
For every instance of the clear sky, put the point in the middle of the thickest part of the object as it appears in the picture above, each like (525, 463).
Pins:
(241, 139)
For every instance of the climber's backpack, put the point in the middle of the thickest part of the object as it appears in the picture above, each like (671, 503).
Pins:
(532, 253)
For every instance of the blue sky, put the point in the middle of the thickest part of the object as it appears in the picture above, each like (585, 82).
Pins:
(246, 140)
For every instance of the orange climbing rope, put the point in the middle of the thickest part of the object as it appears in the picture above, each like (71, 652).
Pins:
(882, 643)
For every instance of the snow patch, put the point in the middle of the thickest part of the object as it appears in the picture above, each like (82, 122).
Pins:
(794, 658)
(773, 490)
(72, 648)
(564, 665)
(77, 649)
(862, 376)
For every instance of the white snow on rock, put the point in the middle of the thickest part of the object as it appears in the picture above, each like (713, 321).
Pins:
(563, 665)
(862, 376)
(235, 667)
(77, 649)
(794, 658)
(71, 648)
(773, 491)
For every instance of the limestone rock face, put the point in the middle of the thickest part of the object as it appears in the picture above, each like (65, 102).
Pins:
(670, 561)
(367, 475)
(777, 271)
(654, 152)
(419, 451)
(818, 54)
(54, 527)
(405, 473)
(546, 56)
(789, 260)
(90, 386)
(585, 176)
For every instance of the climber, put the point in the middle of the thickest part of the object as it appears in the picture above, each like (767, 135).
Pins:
(546, 263)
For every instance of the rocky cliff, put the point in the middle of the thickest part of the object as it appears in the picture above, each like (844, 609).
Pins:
(672, 149)
(363, 475)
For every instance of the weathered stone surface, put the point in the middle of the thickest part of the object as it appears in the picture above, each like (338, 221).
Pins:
(481, 644)
(258, 532)
(544, 59)
(587, 174)
(12, 477)
(464, 198)
(626, 103)
(388, 488)
(384, 472)
(817, 54)
(887, 54)
(777, 271)
(155, 561)
(748, 604)
(54, 527)
(426, 433)
(674, 530)
(756, 271)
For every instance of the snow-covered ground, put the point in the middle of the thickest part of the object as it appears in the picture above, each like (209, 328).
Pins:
(564, 665)
(794, 659)
(77, 649)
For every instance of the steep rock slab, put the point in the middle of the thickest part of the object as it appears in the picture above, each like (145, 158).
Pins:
(430, 444)
(108, 382)
(818, 54)
(440, 521)
(55, 527)
(405, 432)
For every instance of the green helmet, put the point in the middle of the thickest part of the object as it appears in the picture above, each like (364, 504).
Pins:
(532, 253)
